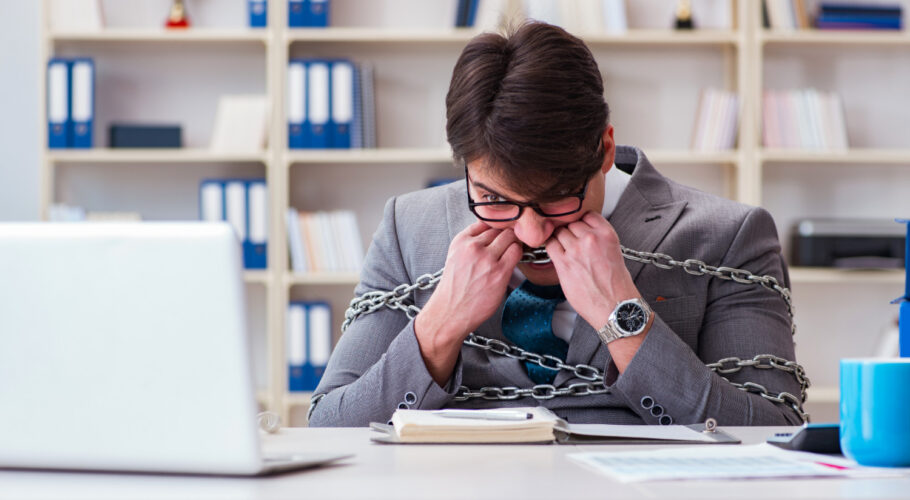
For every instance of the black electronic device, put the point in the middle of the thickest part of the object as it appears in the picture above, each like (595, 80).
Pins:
(848, 243)
(814, 438)
(145, 136)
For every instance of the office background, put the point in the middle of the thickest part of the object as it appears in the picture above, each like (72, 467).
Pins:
(653, 83)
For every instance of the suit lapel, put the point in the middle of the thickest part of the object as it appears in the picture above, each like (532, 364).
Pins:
(646, 210)
(644, 215)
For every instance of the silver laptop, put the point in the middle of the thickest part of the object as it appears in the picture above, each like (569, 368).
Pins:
(123, 348)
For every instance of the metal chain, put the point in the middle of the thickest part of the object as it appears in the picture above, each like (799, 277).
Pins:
(398, 299)
(696, 267)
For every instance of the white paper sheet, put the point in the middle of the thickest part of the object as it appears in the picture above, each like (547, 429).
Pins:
(724, 462)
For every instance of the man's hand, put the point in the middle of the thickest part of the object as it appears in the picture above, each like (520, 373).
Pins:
(593, 276)
(477, 271)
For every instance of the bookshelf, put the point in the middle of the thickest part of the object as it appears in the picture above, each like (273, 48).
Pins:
(179, 72)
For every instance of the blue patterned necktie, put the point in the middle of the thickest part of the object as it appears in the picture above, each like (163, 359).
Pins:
(527, 320)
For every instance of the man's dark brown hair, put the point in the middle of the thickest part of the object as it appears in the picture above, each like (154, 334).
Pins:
(531, 103)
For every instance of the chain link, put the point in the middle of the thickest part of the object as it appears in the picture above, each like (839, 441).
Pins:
(698, 268)
(400, 299)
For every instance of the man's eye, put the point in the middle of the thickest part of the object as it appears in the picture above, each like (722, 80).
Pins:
(493, 198)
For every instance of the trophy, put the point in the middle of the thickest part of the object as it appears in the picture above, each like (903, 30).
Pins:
(177, 18)
(684, 15)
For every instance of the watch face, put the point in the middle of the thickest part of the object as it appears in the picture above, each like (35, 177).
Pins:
(630, 317)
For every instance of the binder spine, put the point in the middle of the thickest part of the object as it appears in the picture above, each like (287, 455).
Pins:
(296, 346)
(258, 11)
(82, 76)
(317, 13)
(296, 13)
(255, 247)
(298, 128)
(342, 106)
(58, 104)
(318, 105)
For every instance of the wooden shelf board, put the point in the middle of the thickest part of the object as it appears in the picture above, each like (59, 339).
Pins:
(438, 155)
(163, 35)
(322, 278)
(683, 156)
(823, 275)
(379, 155)
(163, 155)
(463, 35)
(856, 155)
(834, 37)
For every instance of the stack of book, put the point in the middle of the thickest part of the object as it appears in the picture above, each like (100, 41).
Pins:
(716, 123)
(803, 119)
(859, 16)
(785, 15)
(331, 105)
(324, 241)
(244, 204)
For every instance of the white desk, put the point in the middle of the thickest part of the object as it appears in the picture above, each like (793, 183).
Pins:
(429, 471)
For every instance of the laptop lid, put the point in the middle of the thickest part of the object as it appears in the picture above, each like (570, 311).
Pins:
(122, 347)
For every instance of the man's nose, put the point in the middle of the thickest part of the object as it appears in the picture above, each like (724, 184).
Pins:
(532, 229)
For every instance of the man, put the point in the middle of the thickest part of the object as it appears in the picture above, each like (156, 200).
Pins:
(583, 331)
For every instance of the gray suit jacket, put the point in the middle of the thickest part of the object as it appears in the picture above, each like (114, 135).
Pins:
(377, 367)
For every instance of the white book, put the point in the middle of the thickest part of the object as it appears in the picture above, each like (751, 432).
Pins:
(75, 16)
(701, 121)
(732, 126)
(340, 226)
(712, 125)
(258, 199)
(589, 17)
(211, 201)
(543, 10)
(309, 242)
(58, 105)
(766, 119)
(241, 124)
(318, 99)
(235, 207)
(342, 92)
(335, 223)
(326, 243)
(838, 123)
(310, 237)
(355, 243)
(614, 16)
(295, 335)
(368, 106)
(83, 89)
(319, 333)
(299, 262)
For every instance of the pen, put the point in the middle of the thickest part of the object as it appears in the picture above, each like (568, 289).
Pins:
(485, 414)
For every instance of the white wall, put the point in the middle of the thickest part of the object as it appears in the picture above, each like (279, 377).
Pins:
(19, 132)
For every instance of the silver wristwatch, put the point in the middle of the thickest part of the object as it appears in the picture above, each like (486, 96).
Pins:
(629, 318)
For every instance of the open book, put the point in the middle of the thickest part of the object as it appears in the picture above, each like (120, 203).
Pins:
(529, 425)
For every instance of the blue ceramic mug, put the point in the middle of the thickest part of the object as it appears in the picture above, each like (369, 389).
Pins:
(875, 411)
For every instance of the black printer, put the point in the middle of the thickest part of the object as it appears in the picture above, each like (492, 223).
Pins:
(848, 243)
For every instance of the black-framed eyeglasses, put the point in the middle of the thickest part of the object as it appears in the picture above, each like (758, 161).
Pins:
(508, 210)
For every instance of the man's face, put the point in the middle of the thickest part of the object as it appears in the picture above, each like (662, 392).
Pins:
(531, 228)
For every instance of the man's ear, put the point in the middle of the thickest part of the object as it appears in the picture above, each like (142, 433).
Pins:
(609, 149)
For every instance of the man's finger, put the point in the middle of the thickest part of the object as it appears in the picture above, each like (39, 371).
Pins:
(502, 242)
